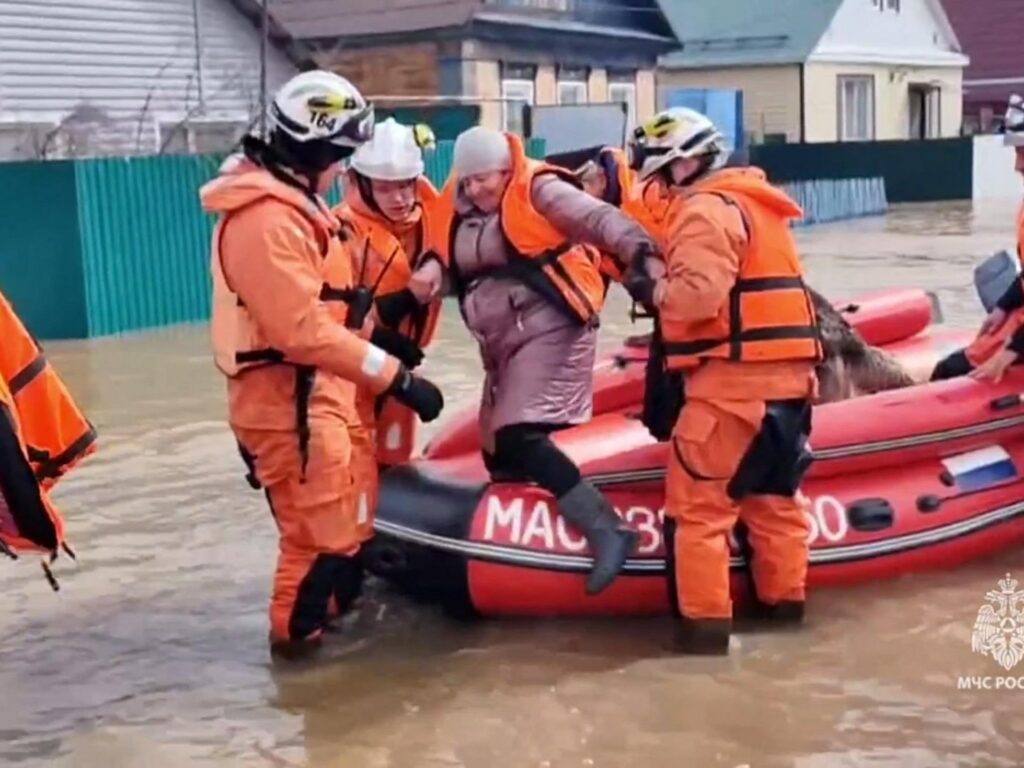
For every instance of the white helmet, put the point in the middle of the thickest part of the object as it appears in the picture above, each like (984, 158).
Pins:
(1014, 136)
(395, 153)
(676, 133)
(322, 106)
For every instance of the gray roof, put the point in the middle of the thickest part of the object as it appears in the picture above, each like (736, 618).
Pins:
(733, 33)
(322, 19)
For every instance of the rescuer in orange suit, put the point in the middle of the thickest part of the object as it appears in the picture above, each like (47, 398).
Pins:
(737, 321)
(387, 205)
(1000, 340)
(288, 332)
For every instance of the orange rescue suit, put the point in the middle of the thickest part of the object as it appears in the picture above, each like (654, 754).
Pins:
(42, 435)
(385, 256)
(736, 318)
(989, 344)
(566, 273)
(282, 272)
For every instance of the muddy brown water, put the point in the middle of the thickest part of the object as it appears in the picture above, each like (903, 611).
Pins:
(154, 653)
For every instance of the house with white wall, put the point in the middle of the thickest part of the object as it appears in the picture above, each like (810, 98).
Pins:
(822, 70)
(116, 77)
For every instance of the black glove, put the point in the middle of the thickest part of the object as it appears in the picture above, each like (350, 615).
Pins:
(418, 394)
(638, 284)
(397, 345)
(395, 306)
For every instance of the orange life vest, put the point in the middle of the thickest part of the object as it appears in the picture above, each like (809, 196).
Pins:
(381, 263)
(238, 343)
(614, 160)
(565, 273)
(42, 435)
(769, 315)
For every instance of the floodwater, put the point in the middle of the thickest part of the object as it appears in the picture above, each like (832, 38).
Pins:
(154, 652)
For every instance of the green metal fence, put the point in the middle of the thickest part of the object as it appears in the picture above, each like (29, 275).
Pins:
(914, 171)
(97, 247)
(41, 269)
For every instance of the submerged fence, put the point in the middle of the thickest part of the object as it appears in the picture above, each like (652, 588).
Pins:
(834, 199)
(97, 247)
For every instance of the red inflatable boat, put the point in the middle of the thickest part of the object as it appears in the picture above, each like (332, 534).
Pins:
(925, 477)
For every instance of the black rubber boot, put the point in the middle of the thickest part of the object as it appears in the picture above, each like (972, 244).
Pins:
(296, 650)
(348, 582)
(784, 614)
(703, 637)
(610, 539)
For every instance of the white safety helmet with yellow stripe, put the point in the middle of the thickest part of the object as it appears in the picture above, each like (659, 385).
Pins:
(1014, 122)
(678, 132)
(395, 153)
(322, 107)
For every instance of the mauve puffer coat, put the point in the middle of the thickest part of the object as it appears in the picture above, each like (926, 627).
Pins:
(538, 363)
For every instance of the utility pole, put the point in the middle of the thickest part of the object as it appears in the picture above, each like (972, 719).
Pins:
(264, 33)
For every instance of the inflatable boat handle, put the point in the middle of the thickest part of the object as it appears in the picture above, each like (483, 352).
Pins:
(1004, 402)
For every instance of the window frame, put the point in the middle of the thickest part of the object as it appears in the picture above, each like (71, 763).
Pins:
(508, 98)
(630, 103)
(871, 118)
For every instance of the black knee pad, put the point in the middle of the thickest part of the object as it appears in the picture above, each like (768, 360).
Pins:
(778, 458)
(527, 450)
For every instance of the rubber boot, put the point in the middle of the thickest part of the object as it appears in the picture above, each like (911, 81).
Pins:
(296, 650)
(610, 539)
(348, 588)
(703, 637)
(784, 614)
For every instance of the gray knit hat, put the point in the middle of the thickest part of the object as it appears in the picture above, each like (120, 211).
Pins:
(480, 150)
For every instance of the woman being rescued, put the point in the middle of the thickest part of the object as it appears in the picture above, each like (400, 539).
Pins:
(1000, 340)
(524, 262)
(387, 199)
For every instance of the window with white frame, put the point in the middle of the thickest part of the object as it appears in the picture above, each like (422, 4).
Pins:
(516, 95)
(856, 107)
(624, 93)
(572, 85)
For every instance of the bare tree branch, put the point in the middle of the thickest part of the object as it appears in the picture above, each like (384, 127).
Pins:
(147, 102)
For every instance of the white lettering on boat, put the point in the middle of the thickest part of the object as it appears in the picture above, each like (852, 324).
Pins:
(826, 517)
(535, 525)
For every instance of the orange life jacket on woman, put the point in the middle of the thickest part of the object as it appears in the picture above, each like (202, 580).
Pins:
(565, 273)
(42, 435)
(769, 315)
